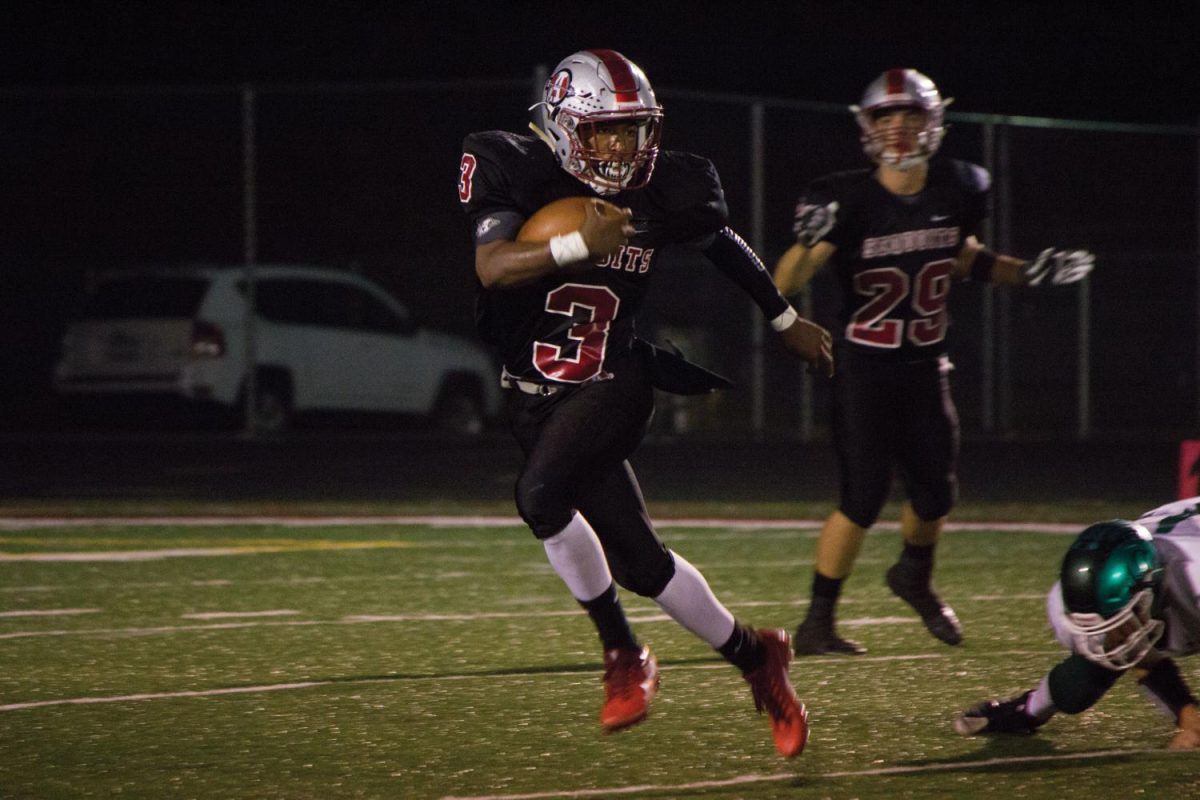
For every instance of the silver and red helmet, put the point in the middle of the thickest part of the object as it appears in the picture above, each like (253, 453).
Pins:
(901, 89)
(589, 89)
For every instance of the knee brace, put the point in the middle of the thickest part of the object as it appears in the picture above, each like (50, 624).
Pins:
(1076, 684)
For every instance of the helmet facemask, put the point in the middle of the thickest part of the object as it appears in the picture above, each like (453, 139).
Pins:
(589, 92)
(606, 170)
(1120, 641)
(901, 146)
(904, 145)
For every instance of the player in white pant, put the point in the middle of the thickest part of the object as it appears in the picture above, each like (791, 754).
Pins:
(1127, 598)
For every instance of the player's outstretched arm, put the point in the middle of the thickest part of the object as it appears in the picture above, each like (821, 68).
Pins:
(1051, 266)
(798, 264)
(738, 262)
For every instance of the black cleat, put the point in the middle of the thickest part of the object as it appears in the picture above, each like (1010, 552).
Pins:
(818, 639)
(938, 617)
(997, 716)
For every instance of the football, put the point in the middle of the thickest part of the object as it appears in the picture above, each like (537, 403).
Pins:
(560, 216)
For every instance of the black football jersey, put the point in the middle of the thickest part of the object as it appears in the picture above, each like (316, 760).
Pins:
(566, 327)
(895, 253)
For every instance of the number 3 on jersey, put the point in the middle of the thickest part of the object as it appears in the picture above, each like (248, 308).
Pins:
(600, 305)
(887, 287)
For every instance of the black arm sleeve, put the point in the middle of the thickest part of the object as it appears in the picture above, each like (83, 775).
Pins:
(737, 261)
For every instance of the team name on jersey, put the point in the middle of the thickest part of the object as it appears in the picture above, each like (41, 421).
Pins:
(629, 258)
(910, 242)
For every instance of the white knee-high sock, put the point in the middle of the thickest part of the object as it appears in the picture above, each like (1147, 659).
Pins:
(1040, 705)
(577, 557)
(690, 602)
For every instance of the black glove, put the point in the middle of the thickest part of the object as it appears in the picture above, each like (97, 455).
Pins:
(997, 716)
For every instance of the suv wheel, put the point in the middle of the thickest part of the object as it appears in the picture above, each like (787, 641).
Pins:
(459, 411)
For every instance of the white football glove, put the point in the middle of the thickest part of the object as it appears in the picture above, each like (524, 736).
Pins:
(1063, 266)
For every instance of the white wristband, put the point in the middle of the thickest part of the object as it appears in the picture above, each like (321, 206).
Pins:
(785, 320)
(568, 248)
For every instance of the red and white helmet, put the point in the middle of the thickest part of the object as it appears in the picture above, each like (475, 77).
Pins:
(901, 88)
(590, 88)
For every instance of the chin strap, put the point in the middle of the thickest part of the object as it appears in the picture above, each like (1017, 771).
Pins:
(541, 134)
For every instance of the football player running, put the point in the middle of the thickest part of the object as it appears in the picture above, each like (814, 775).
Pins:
(561, 315)
(897, 236)
(1127, 599)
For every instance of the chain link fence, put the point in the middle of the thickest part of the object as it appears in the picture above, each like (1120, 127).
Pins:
(364, 177)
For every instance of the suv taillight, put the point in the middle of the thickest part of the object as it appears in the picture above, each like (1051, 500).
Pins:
(208, 341)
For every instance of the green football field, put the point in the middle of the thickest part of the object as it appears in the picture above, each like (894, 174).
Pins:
(446, 660)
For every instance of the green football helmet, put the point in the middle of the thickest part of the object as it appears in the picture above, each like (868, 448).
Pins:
(1111, 586)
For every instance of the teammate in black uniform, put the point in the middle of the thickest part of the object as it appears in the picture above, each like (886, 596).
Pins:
(561, 315)
(897, 236)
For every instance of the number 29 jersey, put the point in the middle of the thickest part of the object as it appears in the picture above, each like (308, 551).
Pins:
(571, 327)
(895, 253)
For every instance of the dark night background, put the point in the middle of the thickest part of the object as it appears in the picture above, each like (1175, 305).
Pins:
(1088, 60)
(121, 142)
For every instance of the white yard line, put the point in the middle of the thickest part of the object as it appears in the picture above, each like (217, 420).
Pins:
(636, 614)
(743, 780)
(447, 521)
(278, 687)
(77, 701)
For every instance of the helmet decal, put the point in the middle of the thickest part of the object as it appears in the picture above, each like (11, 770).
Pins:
(558, 87)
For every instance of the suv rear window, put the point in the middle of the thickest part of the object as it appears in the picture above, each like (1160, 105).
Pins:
(145, 297)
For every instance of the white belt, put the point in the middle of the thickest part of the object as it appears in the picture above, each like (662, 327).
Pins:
(528, 387)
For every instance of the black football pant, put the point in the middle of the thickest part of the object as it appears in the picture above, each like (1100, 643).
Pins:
(576, 444)
(894, 415)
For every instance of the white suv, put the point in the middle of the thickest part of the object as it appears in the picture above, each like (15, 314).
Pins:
(324, 339)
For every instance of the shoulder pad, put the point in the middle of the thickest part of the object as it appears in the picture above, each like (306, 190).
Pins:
(837, 185)
(971, 177)
(688, 188)
(686, 172)
(505, 147)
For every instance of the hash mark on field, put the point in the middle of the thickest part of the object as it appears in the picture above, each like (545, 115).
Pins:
(49, 612)
(742, 780)
(282, 612)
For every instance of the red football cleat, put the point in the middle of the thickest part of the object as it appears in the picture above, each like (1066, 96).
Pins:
(773, 692)
(630, 683)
